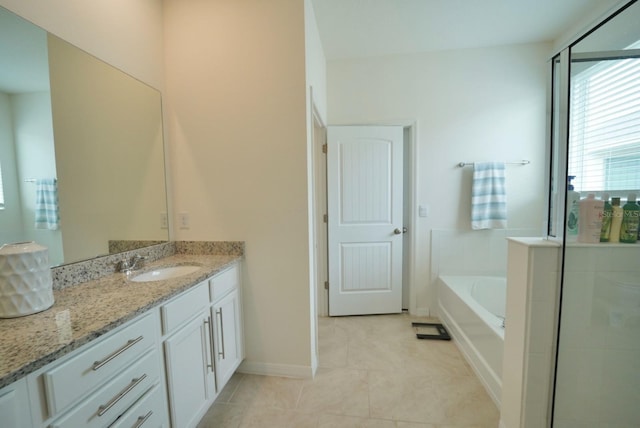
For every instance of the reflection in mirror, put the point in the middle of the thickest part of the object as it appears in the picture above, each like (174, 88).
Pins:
(107, 164)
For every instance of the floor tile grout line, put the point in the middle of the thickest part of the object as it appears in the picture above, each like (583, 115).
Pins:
(302, 386)
(353, 333)
(235, 389)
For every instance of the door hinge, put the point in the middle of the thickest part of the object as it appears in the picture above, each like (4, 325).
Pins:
(326, 285)
(325, 218)
(324, 148)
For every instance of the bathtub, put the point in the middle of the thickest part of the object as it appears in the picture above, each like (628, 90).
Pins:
(472, 308)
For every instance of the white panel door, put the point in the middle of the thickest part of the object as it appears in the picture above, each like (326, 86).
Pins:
(364, 186)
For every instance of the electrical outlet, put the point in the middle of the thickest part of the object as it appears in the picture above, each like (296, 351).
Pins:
(423, 210)
(164, 221)
(183, 219)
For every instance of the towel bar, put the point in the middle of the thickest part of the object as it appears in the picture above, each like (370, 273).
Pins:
(522, 162)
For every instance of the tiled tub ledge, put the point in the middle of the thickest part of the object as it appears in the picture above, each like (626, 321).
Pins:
(88, 309)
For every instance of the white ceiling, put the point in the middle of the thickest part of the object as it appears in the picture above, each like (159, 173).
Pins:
(362, 28)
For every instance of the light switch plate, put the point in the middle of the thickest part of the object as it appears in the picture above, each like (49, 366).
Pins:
(164, 221)
(183, 220)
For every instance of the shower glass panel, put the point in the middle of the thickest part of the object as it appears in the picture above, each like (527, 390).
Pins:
(597, 380)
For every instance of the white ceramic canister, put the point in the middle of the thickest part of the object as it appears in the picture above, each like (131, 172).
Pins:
(26, 285)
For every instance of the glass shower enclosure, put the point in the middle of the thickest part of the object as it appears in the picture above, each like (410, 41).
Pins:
(595, 138)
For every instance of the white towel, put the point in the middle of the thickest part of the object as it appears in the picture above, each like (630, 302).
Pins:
(488, 196)
(47, 216)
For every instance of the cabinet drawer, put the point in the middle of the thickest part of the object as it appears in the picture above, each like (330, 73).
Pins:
(224, 282)
(114, 398)
(184, 307)
(149, 411)
(76, 377)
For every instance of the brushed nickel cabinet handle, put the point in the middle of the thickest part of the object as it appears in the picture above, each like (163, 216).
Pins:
(209, 325)
(142, 419)
(219, 312)
(129, 344)
(134, 382)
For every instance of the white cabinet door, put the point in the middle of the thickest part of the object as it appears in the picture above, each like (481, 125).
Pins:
(14, 405)
(227, 336)
(190, 374)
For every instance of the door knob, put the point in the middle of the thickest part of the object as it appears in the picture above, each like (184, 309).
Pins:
(397, 231)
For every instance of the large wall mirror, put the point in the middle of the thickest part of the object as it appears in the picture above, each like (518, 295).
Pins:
(78, 130)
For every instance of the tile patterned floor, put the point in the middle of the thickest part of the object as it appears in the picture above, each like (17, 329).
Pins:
(373, 373)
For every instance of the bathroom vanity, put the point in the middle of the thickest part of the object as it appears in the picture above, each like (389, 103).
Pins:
(115, 352)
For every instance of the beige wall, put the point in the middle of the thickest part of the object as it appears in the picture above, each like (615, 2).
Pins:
(238, 112)
(237, 124)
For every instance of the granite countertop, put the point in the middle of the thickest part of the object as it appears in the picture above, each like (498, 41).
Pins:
(88, 310)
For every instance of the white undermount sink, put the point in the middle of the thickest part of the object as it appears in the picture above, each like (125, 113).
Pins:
(162, 273)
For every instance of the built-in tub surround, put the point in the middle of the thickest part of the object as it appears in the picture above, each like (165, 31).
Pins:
(532, 287)
(472, 308)
(470, 252)
(88, 309)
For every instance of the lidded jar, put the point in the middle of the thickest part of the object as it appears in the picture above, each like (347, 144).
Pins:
(26, 285)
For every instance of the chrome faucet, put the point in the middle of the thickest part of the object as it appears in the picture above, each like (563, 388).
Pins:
(128, 266)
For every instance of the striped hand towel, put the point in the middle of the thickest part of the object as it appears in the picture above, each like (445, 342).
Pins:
(488, 196)
(47, 216)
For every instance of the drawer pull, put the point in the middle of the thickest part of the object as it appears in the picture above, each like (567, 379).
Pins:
(209, 325)
(221, 353)
(129, 344)
(134, 382)
(142, 419)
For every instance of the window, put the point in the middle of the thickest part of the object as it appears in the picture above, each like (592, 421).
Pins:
(604, 129)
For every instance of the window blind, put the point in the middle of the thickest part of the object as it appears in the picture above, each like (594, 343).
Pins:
(604, 128)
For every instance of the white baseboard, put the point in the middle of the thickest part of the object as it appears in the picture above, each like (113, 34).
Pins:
(421, 312)
(269, 369)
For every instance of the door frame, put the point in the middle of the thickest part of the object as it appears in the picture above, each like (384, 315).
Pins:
(409, 289)
(319, 164)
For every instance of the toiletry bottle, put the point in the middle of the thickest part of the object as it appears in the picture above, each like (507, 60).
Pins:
(590, 221)
(616, 220)
(630, 220)
(607, 215)
(573, 200)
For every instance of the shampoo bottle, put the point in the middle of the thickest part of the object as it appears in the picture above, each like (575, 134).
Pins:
(616, 220)
(607, 215)
(630, 220)
(590, 221)
(573, 200)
